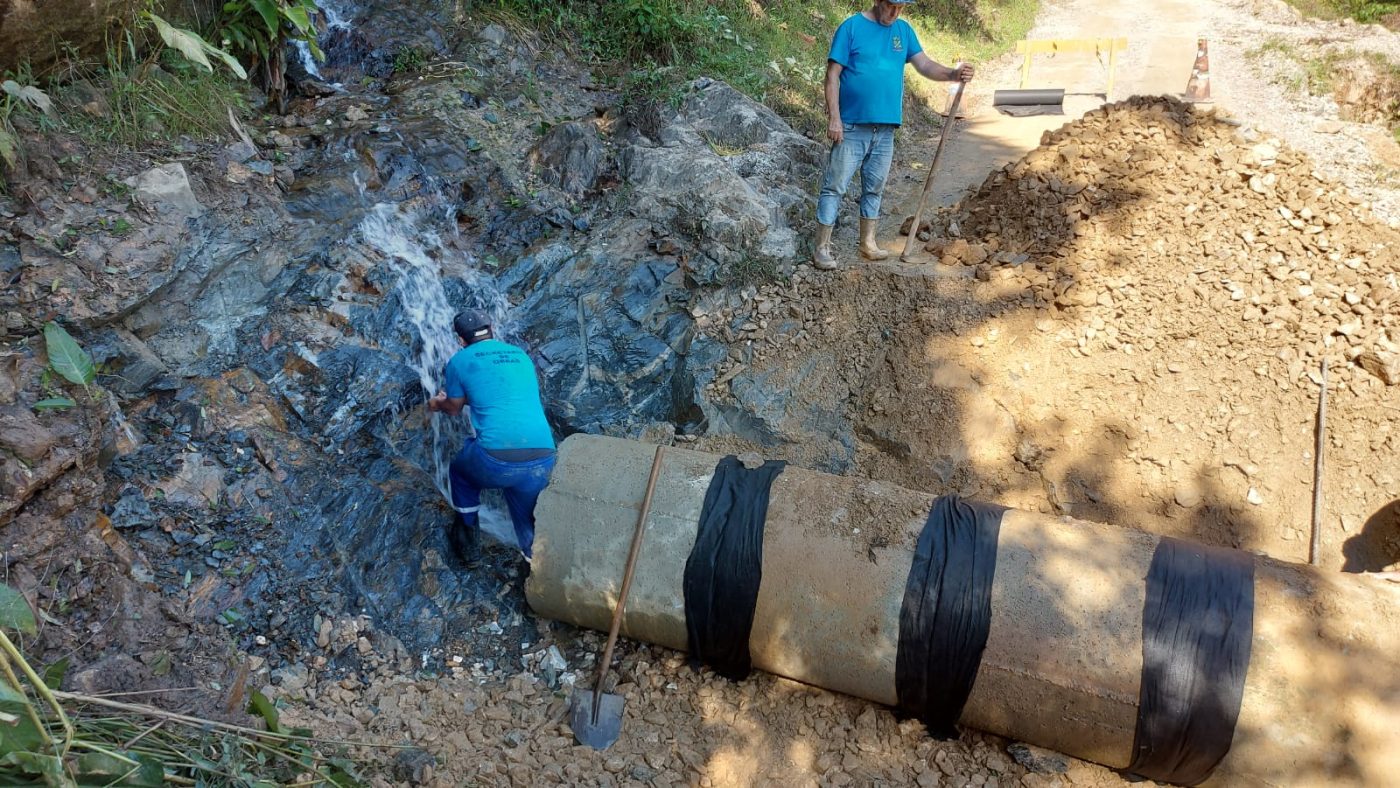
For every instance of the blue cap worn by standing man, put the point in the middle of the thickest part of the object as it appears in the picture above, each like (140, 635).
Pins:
(513, 448)
(864, 105)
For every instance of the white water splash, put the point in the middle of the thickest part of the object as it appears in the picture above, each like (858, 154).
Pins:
(413, 252)
(336, 18)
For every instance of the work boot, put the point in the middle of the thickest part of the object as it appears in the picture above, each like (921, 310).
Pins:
(822, 257)
(464, 539)
(869, 249)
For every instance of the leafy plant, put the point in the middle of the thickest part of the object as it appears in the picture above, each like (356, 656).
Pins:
(54, 403)
(408, 58)
(13, 96)
(67, 357)
(65, 740)
(260, 31)
(193, 47)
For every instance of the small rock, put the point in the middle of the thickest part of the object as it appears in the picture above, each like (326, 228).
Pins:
(751, 460)
(1037, 759)
(1254, 497)
(237, 173)
(356, 114)
(1382, 364)
(1188, 495)
(554, 659)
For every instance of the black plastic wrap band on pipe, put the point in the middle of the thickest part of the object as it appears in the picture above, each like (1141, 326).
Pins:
(1028, 98)
(947, 612)
(725, 566)
(1197, 628)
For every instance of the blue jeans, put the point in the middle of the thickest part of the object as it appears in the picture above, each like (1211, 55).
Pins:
(868, 147)
(473, 470)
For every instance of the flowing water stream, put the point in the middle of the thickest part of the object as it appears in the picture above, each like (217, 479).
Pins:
(415, 252)
(336, 17)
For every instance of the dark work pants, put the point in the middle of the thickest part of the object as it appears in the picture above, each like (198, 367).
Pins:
(473, 470)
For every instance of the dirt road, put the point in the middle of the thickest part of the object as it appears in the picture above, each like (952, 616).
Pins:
(1158, 61)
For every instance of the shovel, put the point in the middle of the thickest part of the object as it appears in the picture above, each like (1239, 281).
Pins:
(913, 237)
(596, 717)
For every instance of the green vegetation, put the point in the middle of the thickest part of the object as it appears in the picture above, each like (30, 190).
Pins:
(156, 82)
(259, 31)
(65, 740)
(1365, 84)
(16, 97)
(774, 51)
(409, 58)
(1360, 10)
(750, 271)
(134, 107)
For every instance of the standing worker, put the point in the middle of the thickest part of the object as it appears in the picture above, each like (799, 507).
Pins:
(864, 105)
(513, 448)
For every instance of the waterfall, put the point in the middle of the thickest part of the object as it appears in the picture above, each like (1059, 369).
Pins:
(412, 250)
(335, 17)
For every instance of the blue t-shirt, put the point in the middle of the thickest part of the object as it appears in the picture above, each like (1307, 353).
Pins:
(498, 380)
(872, 58)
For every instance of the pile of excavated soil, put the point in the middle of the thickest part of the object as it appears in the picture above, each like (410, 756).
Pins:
(1127, 326)
(1150, 197)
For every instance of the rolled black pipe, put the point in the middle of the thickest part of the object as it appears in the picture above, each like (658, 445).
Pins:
(1029, 98)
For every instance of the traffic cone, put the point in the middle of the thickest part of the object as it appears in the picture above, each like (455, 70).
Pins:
(1198, 86)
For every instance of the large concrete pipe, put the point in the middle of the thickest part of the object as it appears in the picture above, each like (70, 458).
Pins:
(1064, 655)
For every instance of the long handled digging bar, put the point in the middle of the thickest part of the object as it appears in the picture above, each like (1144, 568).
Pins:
(932, 168)
(596, 717)
(1315, 549)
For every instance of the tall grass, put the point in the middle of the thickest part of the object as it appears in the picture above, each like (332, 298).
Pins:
(138, 105)
(772, 50)
(1360, 10)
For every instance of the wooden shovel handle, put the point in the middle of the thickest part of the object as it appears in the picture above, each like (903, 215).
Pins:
(627, 577)
(913, 236)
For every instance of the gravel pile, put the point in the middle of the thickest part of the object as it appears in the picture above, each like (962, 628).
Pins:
(1150, 200)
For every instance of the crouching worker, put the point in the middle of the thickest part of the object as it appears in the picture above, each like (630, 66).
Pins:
(513, 448)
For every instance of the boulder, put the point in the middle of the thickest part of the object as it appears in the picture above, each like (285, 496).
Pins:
(166, 189)
(569, 156)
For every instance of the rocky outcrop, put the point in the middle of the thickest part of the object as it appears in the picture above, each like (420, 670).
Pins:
(727, 175)
(274, 313)
(569, 157)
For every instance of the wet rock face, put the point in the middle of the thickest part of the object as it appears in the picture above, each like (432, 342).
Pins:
(273, 315)
(568, 157)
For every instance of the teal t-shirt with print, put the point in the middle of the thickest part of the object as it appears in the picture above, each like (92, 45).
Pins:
(872, 58)
(498, 379)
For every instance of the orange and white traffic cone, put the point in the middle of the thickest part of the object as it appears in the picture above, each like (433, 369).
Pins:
(1198, 86)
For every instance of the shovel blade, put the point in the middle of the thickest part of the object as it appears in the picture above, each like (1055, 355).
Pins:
(600, 732)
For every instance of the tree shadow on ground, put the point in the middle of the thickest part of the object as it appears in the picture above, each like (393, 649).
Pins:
(1378, 544)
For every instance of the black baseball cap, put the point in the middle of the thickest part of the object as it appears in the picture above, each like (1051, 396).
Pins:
(472, 323)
